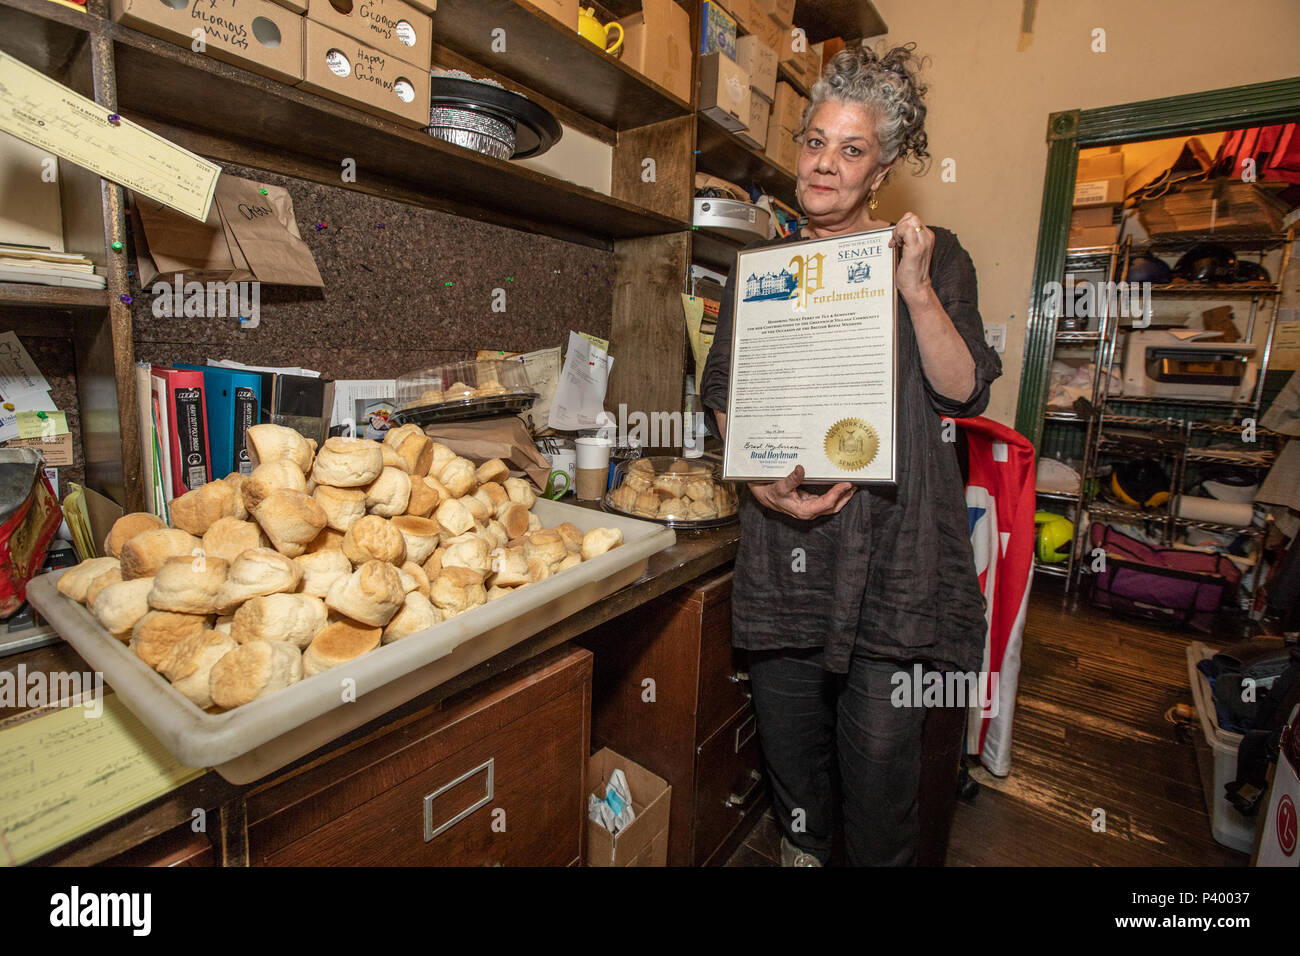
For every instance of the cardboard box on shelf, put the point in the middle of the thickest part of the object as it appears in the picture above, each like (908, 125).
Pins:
(788, 107)
(758, 60)
(1089, 217)
(755, 133)
(644, 841)
(781, 12)
(718, 30)
(342, 68)
(1091, 236)
(781, 147)
(827, 49)
(566, 11)
(768, 31)
(1101, 165)
(255, 34)
(298, 6)
(745, 13)
(800, 58)
(657, 44)
(1099, 192)
(724, 91)
(392, 27)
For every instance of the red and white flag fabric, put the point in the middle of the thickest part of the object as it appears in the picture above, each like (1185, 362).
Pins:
(1000, 506)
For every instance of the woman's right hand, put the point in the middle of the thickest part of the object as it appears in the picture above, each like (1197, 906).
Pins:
(786, 497)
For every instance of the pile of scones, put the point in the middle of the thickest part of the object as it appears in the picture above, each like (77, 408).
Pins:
(683, 491)
(316, 558)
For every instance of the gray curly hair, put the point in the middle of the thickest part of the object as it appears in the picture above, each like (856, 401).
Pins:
(888, 83)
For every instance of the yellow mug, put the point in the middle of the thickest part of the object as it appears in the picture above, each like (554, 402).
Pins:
(597, 33)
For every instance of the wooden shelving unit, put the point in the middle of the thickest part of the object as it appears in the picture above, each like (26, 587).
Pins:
(229, 114)
(722, 153)
(244, 114)
(543, 56)
(30, 296)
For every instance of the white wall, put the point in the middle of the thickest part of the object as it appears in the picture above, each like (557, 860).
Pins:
(989, 103)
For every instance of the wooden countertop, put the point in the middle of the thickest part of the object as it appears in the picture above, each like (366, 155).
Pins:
(694, 554)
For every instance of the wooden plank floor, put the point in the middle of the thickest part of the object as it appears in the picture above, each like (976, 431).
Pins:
(1089, 733)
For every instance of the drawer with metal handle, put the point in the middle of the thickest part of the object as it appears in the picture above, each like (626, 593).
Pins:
(513, 797)
(729, 783)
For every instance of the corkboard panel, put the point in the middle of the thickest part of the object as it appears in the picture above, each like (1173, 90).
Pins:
(386, 307)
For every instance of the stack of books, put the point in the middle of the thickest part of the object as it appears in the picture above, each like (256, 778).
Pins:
(43, 267)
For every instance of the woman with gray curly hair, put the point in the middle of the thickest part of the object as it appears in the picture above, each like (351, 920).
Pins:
(887, 578)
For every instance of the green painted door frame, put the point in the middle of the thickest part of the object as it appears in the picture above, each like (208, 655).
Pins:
(1259, 104)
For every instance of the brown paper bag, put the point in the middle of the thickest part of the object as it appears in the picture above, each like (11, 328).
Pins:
(262, 229)
(504, 438)
(170, 242)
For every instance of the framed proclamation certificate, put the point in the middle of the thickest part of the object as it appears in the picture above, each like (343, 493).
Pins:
(813, 362)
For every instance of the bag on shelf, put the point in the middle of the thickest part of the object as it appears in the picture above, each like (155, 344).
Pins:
(1160, 584)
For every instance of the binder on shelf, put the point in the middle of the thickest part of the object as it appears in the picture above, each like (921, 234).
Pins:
(162, 429)
(234, 401)
(186, 408)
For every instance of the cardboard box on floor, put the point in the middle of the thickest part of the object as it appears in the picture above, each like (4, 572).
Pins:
(345, 69)
(566, 11)
(724, 91)
(393, 27)
(644, 842)
(255, 34)
(657, 44)
(758, 60)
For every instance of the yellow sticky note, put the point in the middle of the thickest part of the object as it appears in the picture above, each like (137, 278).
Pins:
(42, 424)
(72, 769)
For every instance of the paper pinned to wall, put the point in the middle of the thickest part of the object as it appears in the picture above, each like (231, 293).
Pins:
(580, 395)
(41, 424)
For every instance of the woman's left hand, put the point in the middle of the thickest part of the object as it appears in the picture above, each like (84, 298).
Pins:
(916, 243)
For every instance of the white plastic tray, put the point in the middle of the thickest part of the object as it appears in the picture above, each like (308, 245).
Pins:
(249, 742)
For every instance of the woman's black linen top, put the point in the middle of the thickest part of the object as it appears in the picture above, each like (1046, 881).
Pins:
(892, 574)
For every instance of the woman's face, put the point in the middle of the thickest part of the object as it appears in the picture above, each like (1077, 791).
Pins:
(839, 163)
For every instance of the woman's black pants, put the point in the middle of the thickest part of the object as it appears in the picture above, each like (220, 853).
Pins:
(807, 719)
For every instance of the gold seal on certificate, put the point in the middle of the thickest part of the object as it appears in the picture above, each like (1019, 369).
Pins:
(851, 444)
(814, 361)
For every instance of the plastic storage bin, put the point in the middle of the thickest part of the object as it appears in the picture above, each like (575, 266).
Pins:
(1216, 758)
(249, 742)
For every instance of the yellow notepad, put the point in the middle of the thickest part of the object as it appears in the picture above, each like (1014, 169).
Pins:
(66, 772)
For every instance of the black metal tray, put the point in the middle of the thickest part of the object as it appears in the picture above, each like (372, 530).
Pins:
(536, 130)
(463, 410)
